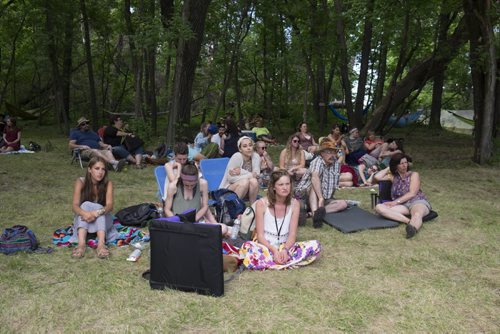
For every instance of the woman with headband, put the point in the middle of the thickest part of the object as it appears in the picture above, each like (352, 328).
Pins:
(190, 192)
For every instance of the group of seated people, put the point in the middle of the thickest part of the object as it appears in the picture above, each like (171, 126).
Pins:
(288, 183)
(115, 146)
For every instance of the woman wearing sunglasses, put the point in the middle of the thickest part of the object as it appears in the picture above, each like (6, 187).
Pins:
(292, 158)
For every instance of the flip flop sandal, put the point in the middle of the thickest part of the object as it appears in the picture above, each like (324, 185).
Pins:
(102, 253)
(78, 252)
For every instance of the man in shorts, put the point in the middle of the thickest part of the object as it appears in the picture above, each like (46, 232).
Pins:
(90, 144)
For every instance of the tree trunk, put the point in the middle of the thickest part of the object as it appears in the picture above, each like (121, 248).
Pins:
(67, 61)
(194, 13)
(136, 62)
(365, 57)
(90, 68)
(381, 71)
(354, 119)
(239, 36)
(437, 88)
(167, 13)
(484, 69)
(60, 115)
(418, 76)
(11, 62)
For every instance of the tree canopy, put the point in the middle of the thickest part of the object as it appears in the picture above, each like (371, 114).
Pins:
(165, 61)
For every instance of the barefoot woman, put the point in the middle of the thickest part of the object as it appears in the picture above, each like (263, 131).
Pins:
(92, 205)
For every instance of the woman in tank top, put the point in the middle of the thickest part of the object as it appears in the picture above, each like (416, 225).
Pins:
(276, 218)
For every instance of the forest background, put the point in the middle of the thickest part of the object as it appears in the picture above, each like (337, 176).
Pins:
(163, 62)
(168, 65)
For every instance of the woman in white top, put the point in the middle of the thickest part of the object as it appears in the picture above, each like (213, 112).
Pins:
(242, 171)
(276, 218)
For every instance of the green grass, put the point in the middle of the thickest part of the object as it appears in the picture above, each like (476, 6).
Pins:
(446, 279)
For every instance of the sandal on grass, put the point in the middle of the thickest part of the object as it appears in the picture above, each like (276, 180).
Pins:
(78, 252)
(410, 231)
(102, 253)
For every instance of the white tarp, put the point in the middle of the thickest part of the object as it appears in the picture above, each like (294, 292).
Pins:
(451, 122)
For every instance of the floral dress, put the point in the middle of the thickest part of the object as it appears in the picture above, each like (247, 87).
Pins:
(258, 257)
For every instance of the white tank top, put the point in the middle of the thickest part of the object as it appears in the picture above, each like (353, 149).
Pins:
(271, 231)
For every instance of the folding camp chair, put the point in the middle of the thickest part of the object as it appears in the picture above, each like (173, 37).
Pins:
(161, 175)
(76, 156)
(213, 171)
(383, 195)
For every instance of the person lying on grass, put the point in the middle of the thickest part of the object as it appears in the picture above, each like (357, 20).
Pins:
(407, 197)
(92, 205)
(190, 192)
(276, 217)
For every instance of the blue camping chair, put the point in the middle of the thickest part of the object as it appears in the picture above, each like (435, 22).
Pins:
(213, 171)
(161, 174)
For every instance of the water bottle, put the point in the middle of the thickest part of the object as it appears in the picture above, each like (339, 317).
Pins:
(135, 255)
(236, 228)
(160, 211)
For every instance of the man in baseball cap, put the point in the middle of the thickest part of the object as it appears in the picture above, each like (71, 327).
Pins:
(90, 144)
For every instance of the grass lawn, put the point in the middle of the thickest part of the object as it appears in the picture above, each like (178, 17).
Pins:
(446, 279)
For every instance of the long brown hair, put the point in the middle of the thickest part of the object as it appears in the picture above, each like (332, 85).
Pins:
(87, 193)
(271, 194)
(289, 148)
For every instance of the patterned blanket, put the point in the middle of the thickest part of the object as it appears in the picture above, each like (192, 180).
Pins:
(127, 235)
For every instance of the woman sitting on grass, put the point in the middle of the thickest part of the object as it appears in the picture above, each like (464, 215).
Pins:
(11, 136)
(242, 171)
(190, 192)
(407, 198)
(92, 205)
(293, 159)
(276, 218)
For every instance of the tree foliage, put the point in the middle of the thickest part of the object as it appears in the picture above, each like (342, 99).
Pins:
(282, 59)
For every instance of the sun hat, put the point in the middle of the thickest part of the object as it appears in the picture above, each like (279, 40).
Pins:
(82, 120)
(327, 144)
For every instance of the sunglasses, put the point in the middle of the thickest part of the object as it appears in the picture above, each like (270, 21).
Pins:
(295, 141)
(84, 123)
(263, 147)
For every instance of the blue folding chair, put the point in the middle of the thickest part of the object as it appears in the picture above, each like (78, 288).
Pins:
(213, 171)
(161, 175)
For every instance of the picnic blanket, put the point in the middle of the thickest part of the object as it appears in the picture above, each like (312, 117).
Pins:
(355, 219)
(127, 235)
(20, 151)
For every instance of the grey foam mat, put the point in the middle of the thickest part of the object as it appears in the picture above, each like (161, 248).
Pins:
(355, 219)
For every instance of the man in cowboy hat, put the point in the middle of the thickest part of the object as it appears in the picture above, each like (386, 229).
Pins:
(90, 144)
(320, 181)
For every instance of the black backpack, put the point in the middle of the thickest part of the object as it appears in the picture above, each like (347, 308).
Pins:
(226, 201)
(137, 215)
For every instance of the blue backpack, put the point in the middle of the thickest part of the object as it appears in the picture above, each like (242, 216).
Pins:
(226, 201)
(16, 239)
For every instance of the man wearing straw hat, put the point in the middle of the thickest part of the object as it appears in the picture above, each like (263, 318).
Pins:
(90, 144)
(320, 182)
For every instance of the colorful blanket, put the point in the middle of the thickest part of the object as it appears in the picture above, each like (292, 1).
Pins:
(127, 235)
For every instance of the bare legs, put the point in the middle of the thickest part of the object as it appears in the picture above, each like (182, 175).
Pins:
(246, 187)
(399, 213)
